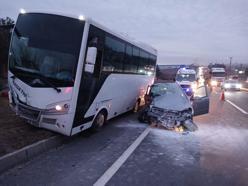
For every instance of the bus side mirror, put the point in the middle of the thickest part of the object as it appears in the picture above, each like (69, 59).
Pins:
(90, 59)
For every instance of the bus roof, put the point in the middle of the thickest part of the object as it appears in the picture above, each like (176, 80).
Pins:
(89, 20)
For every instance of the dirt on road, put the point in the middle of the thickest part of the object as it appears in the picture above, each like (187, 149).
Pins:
(15, 133)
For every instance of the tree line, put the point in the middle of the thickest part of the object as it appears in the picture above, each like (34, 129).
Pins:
(6, 25)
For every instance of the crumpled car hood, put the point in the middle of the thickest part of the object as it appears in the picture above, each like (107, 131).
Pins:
(172, 102)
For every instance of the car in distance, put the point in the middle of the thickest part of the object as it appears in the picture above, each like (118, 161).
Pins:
(231, 85)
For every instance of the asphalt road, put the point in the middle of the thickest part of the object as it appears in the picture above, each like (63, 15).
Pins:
(214, 155)
(239, 98)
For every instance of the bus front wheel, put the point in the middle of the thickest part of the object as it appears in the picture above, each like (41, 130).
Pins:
(99, 121)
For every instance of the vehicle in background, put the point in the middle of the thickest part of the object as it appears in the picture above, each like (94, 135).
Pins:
(234, 77)
(187, 79)
(231, 85)
(166, 72)
(217, 76)
(167, 105)
(202, 74)
(69, 73)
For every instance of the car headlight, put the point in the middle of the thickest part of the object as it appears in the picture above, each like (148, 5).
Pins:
(57, 109)
(227, 85)
(238, 86)
(214, 83)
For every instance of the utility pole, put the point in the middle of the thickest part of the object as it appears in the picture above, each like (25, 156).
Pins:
(230, 71)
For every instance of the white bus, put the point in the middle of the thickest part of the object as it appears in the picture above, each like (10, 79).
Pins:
(68, 74)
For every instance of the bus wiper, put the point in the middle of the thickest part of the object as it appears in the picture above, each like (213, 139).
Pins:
(45, 80)
(40, 76)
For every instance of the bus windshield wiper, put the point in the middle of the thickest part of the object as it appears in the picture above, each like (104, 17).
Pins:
(48, 82)
(39, 76)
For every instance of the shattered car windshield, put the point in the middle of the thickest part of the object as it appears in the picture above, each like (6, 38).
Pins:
(164, 88)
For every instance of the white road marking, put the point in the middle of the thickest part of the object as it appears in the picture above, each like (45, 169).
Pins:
(108, 174)
(237, 107)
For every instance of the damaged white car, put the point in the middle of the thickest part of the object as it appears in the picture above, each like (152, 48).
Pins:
(167, 105)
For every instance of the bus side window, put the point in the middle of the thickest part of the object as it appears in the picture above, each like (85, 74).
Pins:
(114, 51)
(97, 70)
(96, 39)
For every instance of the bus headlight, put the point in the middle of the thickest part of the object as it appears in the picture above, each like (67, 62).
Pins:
(57, 109)
(214, 83)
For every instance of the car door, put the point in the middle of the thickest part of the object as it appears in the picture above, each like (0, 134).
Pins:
(201, 101)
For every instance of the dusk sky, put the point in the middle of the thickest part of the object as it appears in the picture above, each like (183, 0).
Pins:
(183, 31)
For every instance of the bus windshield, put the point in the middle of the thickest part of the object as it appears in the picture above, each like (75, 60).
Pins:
(45, 45)
(185, 77)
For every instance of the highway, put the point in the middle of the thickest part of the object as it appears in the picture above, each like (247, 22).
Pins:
(239, 98)
(127, 152)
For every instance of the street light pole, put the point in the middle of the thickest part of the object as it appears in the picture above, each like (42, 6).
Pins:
(230, 71)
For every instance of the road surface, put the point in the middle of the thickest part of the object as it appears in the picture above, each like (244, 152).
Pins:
(127, 152)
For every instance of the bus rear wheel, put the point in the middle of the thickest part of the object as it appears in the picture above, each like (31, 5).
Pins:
(99, 121)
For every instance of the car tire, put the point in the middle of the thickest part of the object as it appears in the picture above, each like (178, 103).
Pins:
(99, 121)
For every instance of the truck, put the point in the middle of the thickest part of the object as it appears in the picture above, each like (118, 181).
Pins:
(217, 76)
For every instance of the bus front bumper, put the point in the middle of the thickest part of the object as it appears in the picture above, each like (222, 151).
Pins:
(39, 118)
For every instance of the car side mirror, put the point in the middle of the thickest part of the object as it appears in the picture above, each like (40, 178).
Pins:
(90, 59)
